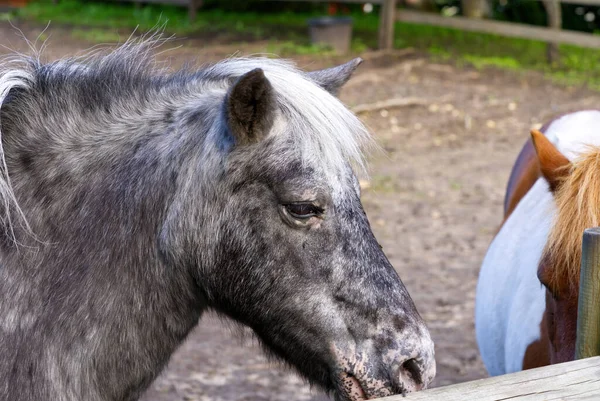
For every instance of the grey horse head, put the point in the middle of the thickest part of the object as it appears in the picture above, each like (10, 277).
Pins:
(154, 197)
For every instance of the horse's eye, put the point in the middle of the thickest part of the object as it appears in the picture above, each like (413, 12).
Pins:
(303, 211)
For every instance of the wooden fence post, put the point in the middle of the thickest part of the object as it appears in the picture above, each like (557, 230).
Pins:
(387, 18)
(554, 14)
(193, 7)
(588, 318)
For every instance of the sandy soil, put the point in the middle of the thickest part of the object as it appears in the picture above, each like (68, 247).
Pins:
(435, 201)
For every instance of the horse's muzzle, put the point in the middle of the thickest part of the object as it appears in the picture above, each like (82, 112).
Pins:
(406, 365)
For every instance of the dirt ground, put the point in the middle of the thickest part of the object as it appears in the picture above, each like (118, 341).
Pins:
(434, 200)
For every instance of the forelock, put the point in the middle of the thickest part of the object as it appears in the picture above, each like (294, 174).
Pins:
(327, 133)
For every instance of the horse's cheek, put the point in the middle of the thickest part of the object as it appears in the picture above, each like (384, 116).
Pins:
(566, 330)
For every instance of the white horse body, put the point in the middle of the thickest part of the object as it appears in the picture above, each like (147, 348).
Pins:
(510, 300)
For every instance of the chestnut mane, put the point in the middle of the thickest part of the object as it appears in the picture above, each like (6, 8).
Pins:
(578, 207)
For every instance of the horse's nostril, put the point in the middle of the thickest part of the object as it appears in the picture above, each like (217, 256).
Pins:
(411, 376)
(412, 368)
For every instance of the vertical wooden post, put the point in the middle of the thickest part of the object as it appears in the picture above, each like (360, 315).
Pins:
(554, 14)
(387, 18)
(193, 7)
(588, 318)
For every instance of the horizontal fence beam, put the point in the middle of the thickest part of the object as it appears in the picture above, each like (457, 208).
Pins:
(577, 380)
(500, 28)
(164, 2)
(336, 1)
(581, 2)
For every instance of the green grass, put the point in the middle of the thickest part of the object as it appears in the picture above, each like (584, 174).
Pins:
(289, 48)
(288, 32)
(174, 19)
(577, 65)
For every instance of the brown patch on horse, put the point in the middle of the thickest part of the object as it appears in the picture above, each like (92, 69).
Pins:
(554, 166)
(537, 353)
(523, 175)
(577, 198)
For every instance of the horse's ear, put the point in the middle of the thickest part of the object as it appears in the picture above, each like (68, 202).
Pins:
(249, 107)
(332, 79)
(554, 166)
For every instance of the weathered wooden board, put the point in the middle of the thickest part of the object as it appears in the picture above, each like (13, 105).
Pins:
(577, 380)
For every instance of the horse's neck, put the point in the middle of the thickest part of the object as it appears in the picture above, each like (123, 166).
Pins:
(96, 192)
(96, 203)
(510, 299)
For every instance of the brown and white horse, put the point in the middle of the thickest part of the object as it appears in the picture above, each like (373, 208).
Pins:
(526, 304)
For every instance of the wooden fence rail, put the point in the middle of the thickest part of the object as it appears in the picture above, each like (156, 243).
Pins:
(501, 28)
(577, 380)
(552, 35)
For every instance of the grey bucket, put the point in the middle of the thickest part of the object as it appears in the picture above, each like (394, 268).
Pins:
(335, 32)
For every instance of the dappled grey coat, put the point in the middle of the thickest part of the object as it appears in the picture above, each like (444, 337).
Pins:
(132, 199)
